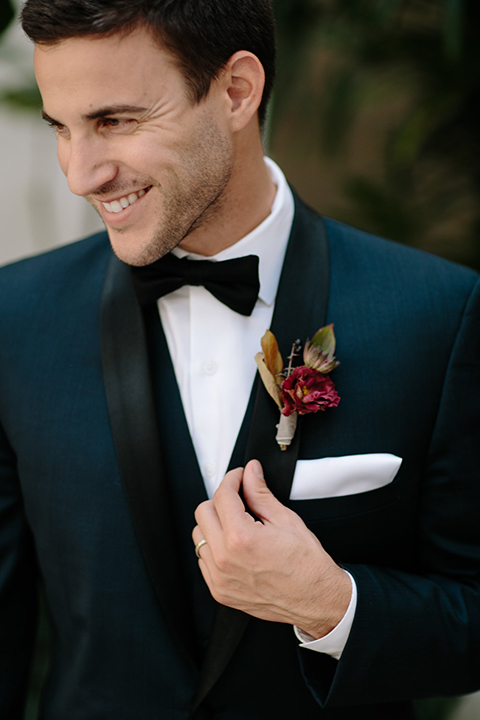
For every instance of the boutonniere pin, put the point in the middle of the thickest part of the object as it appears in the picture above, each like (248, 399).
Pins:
(303, 389)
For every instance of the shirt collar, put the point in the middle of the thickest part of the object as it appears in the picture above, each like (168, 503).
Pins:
(268, 240)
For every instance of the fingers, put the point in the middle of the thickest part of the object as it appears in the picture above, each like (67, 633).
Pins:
(217, 520)
(227, 501)
(258, 497)
(226, 510)
(224, 522)
(214, 517)
(204, 554)
(229, 505)
(199, 546)
(226, 514)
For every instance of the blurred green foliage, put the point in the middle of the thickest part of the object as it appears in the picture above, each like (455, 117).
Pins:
(22, 99)
(341, 57)
(6, 14)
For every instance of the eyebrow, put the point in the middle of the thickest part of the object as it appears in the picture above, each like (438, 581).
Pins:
(102, 112)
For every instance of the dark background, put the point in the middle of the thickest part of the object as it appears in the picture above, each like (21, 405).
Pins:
(376, 116)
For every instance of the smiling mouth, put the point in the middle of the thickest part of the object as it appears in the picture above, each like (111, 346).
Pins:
(116, 206)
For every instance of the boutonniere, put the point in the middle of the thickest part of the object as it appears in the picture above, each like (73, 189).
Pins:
(303, 389)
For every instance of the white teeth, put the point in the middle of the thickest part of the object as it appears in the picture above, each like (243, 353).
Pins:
(117, 206)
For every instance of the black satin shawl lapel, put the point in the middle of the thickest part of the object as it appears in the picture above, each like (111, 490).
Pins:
(134, 425)
(300, 310)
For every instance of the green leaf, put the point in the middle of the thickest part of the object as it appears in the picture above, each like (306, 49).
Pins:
(324, 340)
(268, 380)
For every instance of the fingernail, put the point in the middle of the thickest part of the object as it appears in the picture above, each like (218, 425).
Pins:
(257, 469)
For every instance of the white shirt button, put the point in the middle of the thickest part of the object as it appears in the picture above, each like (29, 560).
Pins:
(210, 367)
(210, 469)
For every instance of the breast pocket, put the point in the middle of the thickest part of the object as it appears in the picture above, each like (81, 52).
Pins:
(350, 502)
(343, 486)
(340, 476)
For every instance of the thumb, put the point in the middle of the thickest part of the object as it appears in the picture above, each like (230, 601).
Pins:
(258, 497)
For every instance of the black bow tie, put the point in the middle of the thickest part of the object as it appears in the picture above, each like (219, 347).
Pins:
(234, 282)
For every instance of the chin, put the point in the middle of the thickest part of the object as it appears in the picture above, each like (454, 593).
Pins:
(137, 259)
(128, 252)
(136, 253)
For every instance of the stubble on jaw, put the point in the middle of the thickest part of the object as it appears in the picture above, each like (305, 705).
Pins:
(191, 199)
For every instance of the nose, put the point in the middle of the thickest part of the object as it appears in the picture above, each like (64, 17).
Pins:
(85, 162)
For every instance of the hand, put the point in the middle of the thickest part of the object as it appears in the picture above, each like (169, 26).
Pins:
(273, 568)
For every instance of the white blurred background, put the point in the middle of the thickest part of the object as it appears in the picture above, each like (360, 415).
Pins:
(37, 211)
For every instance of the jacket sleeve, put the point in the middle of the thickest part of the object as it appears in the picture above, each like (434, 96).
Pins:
(418, 635)
(18, 590)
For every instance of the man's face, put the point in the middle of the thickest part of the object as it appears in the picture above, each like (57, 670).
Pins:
(154, 165)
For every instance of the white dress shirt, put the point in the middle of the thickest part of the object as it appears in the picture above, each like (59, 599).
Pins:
(213, 350)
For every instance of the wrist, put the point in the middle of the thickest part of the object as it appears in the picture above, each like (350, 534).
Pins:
(336, 595)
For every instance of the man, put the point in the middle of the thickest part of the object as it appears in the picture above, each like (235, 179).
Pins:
(120, 414)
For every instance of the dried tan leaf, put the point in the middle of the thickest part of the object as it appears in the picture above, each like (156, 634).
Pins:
(268, 380)
(272, 357)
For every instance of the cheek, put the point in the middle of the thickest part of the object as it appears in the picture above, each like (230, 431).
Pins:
(140, 155)
(165, 149)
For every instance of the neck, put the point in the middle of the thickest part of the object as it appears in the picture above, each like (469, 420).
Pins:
(245, 203)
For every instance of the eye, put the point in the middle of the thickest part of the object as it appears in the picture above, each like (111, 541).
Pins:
(110, 122)
(117, 123)
(60, 129)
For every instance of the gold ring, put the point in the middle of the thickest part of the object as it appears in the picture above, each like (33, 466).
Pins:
(199, 546)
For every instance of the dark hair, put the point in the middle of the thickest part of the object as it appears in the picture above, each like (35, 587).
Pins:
(201, 34)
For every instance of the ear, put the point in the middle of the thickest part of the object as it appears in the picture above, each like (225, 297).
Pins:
(244, 79)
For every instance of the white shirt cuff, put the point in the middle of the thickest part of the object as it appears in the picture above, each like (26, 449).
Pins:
(332, 644)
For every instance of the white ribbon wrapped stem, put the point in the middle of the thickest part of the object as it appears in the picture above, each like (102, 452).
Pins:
(286, 430)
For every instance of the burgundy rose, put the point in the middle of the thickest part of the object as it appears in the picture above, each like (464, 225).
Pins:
(306, 390)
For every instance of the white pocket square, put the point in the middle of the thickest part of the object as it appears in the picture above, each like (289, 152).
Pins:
(347, 475)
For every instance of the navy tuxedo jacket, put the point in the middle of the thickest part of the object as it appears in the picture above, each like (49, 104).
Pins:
(98, 483)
